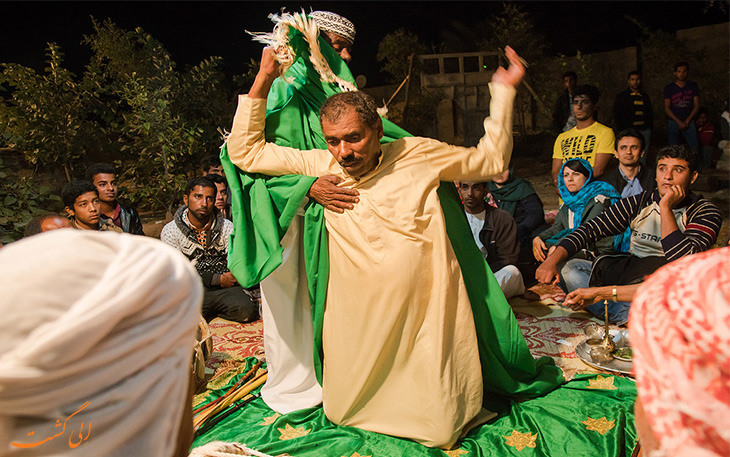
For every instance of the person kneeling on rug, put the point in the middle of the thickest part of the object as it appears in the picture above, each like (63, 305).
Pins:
(389, 253)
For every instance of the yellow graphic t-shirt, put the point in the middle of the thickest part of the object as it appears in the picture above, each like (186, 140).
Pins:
(584, 143)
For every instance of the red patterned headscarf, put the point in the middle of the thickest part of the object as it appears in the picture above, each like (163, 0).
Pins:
(680, 332)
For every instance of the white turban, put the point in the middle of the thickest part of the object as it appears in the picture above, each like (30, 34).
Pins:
(96, 336)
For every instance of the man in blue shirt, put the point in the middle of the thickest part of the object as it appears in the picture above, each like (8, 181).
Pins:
(631, 177)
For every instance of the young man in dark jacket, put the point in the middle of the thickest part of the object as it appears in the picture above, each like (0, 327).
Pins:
(495, 233)
(104, 178)
(631, 177)
(632, 109)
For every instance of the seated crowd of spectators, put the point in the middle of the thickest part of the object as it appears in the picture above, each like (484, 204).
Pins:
(615, 226)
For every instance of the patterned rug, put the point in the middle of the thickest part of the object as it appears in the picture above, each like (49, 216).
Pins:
(590, 415)
(550, 330)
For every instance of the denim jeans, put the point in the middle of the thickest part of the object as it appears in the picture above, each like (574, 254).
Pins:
(689, 134)
(575, 274)
(618, 312)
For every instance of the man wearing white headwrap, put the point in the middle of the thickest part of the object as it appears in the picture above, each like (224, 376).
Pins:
(97, 332)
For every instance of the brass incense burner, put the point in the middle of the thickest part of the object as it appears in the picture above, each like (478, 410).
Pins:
(601, 349)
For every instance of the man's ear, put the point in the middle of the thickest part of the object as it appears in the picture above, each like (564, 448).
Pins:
(185, 199)
(694, 177)
(70, 210)
(643, 151)
(380, 129)
(615, 154)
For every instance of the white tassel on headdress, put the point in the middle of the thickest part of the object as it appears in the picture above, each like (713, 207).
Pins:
(223, 449)
(279, 42)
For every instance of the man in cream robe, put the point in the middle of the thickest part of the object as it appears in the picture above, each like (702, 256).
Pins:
(399, 339)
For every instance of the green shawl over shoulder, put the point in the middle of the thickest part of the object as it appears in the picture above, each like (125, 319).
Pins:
(514, 190)
(263, 208)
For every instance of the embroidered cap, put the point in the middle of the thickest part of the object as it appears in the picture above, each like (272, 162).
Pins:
(331, 22)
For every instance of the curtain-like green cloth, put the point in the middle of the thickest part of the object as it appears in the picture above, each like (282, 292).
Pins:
(264, 206)
(589, 416)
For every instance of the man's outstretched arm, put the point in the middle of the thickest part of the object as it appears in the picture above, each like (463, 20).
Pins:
(492, 154)
(268, 72)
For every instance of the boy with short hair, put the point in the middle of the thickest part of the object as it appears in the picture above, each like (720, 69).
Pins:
(82, 205)
(222, 203)
(104, 177)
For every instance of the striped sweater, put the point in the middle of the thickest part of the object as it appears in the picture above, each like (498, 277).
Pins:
(698, 220)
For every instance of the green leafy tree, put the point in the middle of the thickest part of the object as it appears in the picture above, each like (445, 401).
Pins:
(413, 109)
(21, 199)
(45, 114)
(514, 27)
(164, 120)
(394, 51)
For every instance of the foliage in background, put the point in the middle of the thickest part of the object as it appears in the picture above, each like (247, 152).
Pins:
(131, 104)
(46, 115)
(20, 201)
(513, 26)
(167, 119)
(394, 52)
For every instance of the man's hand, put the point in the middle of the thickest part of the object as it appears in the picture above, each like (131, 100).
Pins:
(547, 272)
(580, 298)
(674, 195)
(334, 198)
(683, 125)
(512, 75)
(538, 248)
(227, 280)
(268, 72)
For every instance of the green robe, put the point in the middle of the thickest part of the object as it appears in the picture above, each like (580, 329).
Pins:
(263, 208)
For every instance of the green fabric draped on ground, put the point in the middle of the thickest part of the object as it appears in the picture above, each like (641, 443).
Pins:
(264, 206)
(590, 415)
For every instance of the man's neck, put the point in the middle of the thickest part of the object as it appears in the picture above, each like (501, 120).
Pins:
(680, 83)
(197, 223)
(630, 171)
(82, 226)
(477, 211)
(585, 124)
(107, 208)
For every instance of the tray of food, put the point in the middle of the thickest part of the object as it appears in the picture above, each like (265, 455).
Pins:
(621, 360)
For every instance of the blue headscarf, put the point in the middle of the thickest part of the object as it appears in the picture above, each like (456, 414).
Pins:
(577, 202)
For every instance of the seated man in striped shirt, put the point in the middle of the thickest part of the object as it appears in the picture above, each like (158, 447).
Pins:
(666, 223)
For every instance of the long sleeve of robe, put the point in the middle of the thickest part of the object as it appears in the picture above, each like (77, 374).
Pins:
(399, 339)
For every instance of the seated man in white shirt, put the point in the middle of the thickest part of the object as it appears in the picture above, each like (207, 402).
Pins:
(495, 233)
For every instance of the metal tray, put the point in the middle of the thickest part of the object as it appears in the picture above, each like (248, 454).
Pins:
(582, 350)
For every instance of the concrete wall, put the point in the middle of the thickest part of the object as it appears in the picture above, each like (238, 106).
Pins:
(467, 102)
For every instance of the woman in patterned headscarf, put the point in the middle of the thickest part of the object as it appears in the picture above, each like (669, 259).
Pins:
(680, 332)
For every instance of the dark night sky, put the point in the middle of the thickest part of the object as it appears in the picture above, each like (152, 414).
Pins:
(192, 31)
